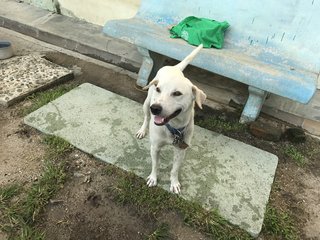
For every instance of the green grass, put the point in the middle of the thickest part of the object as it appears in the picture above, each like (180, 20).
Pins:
(42, 98)
(57, 145)
(8, 192)
(279, 225)
(295, 155)
(21, 207)
(29, 233)
(161, 233)
(217, 124)
(151, 201)
(40, 193)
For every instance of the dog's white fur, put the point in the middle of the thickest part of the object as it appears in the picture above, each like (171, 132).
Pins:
(164, 90)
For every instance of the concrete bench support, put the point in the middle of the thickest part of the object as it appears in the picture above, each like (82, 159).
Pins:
(146, 67)
(253, 105)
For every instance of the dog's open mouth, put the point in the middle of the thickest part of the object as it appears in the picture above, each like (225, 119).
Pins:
(160, 120)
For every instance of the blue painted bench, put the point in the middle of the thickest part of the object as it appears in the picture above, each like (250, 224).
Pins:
(272, 46)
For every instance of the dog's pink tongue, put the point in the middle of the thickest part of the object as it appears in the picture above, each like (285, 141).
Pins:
(158, 119)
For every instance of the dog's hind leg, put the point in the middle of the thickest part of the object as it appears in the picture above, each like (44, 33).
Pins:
(146, 110)
(179, 155)
(152, 178)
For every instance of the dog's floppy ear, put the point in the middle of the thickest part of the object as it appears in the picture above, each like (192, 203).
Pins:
(199, 95)
(153, 82)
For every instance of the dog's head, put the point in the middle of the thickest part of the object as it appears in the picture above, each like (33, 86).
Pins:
(172, 94)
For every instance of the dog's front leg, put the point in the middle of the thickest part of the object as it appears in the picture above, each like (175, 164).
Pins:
(146, 110)
(179, 155)
(152, 178)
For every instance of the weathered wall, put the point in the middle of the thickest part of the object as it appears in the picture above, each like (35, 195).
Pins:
(45, 4)
(93, 11)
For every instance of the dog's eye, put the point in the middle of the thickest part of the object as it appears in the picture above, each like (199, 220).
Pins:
(176, 93)
(158, 89)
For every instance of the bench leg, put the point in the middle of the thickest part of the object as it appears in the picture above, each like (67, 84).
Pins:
(146, 67)
(254, 104)
(151, 63)
(158, 62)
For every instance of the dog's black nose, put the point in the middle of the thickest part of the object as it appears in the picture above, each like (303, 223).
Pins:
(155, 109)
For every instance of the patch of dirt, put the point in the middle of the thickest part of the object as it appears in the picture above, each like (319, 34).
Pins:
(310, 198)
(21, 153)
(100, 76)
(83, 209)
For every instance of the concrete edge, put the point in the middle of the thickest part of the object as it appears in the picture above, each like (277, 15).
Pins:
(69, 33)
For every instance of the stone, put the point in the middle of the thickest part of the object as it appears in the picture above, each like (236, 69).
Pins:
(219, 172)
(295, 135)
(265, 131)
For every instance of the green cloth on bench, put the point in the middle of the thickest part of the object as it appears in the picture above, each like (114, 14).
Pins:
(200, 30)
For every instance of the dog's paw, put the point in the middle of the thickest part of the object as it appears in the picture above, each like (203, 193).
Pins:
(151, 181)
(141, 133)
(175, 187)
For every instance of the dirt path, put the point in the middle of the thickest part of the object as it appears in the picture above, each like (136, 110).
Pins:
(20, 152)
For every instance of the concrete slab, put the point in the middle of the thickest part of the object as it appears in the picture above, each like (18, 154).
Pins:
(219, 172)
(22, 75)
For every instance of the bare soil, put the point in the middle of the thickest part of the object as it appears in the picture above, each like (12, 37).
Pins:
(83, 209)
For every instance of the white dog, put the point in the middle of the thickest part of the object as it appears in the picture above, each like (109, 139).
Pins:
(170, 99)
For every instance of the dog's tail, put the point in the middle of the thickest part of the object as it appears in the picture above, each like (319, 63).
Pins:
(182, 65)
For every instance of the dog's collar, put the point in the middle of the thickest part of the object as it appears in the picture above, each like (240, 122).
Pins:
(178, 135)
(175, 131)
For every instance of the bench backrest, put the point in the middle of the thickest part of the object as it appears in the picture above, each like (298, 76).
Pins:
(275, 31)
